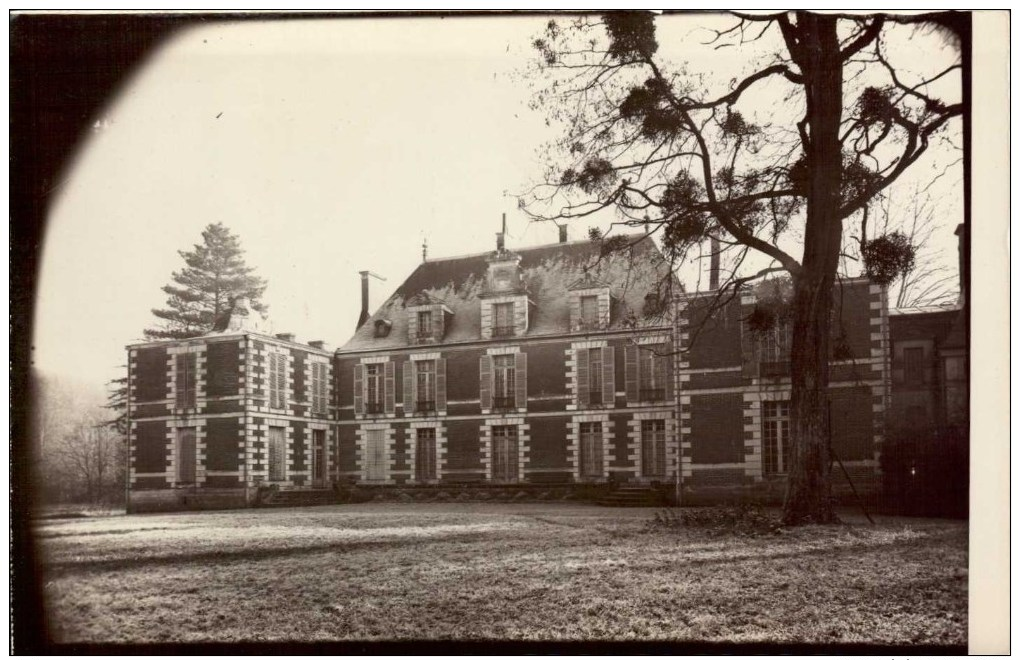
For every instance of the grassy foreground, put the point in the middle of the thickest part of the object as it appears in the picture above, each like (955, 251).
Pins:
(485, 571)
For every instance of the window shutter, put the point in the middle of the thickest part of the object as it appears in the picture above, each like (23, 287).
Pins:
(630, 365)
(408, 368)
(359, 389)
(582, 355)
(390, 394)
(441, 385)
(521, 379)
(412, 326)
(485, 381)
(438, 323)
(273, 382)
(608, 376)
(659, 360)
(667, 365)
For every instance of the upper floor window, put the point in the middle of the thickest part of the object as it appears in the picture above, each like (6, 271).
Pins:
(504, 393)
(277, 380)
(595, 376)
(913, 365)
(374, 388)
(503, 319)
(187, 379)
(319, 388)
(424, 324)
(425, 381)
(589, 311)
(652, 371)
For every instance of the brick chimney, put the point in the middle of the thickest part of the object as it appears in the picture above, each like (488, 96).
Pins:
(713, 264)
(364, 299)
(285, 336)
(563, 233)
(318, 343)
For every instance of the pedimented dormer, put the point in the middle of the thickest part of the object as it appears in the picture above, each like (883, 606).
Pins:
(504, 300)
(590, 304)
(427, 319)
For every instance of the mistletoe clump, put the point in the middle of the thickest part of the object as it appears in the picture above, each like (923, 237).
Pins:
(597, 175)
(888, 257)
(875, 105)
(631, 34)
(772, 308)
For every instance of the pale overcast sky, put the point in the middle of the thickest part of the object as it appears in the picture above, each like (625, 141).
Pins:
(328, 146)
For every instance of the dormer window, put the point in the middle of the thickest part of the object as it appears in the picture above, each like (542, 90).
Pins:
(382, 328)
(503, 320)
(590, 304)
(590, 311)
(425, 324)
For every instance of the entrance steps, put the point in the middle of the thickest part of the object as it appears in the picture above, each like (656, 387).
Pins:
(632, 496)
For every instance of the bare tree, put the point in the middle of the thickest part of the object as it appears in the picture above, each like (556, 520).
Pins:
(91, 458)
(929, 281)
(833, 122)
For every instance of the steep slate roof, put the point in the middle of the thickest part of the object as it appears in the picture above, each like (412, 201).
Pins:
(547, 272)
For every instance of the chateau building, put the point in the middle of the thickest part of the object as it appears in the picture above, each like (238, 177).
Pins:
(542, 365)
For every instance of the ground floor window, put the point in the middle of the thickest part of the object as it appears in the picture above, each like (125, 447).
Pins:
(653, 448)
(591, 450)
(375, 455)
(504, 453)
(186, 455)
(425, 455)
(775, 450)
(318, 457)
(277, 453)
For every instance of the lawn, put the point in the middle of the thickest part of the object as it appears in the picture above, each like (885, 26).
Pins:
(506, 571)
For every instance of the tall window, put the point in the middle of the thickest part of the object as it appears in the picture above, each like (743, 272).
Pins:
(504, 395)
(277, 453)
(503, 320)
(425, 382)
(186, 380)
(318, 457)
(376, 465)
(774, 345)
(775, 451)
(504, 453)
(319, 388)
(913, 365)
(595, 376)
(373, 388)
(591, 450)
(277, 380)
(589, 311)
(424, 324)
(425, 455)
(652, 369)
(186, 455)
(653, 448)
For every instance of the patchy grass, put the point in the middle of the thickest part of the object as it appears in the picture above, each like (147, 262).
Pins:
(478, 571)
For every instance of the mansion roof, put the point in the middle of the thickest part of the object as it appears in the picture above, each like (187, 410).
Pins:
(548, 274)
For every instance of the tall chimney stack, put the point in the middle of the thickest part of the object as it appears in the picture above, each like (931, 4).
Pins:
(364, 299)
(713, 265)
(962, 249)
(563, 233)
(501, 237)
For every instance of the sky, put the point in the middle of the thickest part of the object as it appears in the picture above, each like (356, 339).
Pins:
(328, 147)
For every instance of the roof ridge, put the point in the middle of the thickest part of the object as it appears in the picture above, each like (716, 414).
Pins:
(530, 247)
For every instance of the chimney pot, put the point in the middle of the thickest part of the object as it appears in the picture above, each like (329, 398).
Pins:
(285, 336)
(364, 299)
(713, 269)
(563, 233)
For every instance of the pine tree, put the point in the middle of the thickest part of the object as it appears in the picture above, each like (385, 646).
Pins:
(202, 292)
(200, 297)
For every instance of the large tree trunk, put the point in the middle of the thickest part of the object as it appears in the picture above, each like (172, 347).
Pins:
(808, 493)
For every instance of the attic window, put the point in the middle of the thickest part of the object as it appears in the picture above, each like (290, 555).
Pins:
(382, 328)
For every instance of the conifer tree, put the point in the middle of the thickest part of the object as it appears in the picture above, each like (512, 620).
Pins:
(201, 294)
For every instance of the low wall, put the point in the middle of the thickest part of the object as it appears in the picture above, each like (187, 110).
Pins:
(187, 499)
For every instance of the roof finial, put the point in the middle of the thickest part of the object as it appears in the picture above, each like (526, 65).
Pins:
(424, 249)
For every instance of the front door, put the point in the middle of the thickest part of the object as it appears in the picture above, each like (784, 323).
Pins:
(375, 455)
(318, 458)
(504, 454)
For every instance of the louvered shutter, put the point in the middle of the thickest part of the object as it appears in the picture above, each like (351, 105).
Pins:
(359, 389)
(438, 323)
(485, 381)
(390, 394)
(274, 382)
(181, 379)
(608, 376)
(659, 361)
(441, 385)
(412, 326)
(630, 365)
(583, 378)
(521, 379)
(408, 368)
(667, 366)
